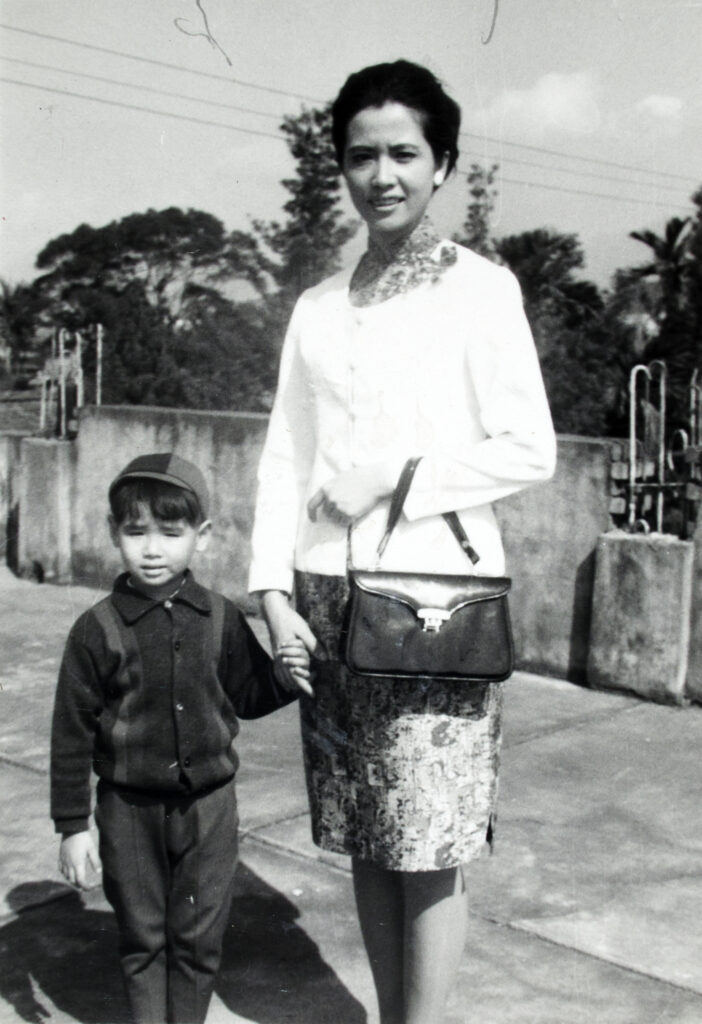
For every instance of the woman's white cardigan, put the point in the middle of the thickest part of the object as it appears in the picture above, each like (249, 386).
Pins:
(447, 370)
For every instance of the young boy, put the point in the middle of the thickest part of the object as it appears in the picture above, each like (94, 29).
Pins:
(152, 681)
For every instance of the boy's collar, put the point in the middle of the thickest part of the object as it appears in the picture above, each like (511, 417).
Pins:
(132, 603)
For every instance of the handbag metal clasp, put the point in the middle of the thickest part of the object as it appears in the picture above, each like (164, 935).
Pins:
(433, 619)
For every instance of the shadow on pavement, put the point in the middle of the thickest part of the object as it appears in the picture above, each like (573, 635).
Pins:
(272, 972)
(63, 954)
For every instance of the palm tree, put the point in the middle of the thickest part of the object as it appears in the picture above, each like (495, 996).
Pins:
(671, 272)
(670, 264)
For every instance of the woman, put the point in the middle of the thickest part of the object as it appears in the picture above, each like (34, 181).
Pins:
(422, 350)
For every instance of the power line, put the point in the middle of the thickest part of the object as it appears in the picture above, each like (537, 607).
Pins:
(315, 99)
(585, 159)
(146, 110)
(588, 174)
(144, 88)
(583, 192)
(279, 138)
(162, 64)
(278, 117)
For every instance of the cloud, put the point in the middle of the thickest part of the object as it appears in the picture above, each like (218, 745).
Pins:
(554, 103)
(665, 108)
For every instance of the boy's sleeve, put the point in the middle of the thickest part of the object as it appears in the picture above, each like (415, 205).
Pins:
(77, 707)
(250, 677)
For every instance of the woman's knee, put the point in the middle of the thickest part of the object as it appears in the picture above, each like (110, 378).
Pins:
(426, 888)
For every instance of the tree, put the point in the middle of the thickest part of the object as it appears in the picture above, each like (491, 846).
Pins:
(476, 227)
(694, 286)
(308, 244)
(19, 312)
(152, 280)
(584, 353)
(669, 265)
(228, 352)
(673, 277)
(544, 262)
(164, 250)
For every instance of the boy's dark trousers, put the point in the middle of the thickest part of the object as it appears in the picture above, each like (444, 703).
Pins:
(168, 867)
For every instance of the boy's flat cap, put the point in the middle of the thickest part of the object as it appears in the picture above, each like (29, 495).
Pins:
(173, 470)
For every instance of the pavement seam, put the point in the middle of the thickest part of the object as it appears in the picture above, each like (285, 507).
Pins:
(271, 824)
(576, 726)
(274, 844)
(4, 759)
(658, 979)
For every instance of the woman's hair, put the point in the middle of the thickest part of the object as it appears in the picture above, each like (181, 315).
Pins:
(409, 84)
(167, 502)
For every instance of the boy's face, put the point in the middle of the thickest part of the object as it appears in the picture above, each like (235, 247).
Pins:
(154, 551)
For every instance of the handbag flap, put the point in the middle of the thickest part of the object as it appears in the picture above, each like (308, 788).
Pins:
(426, 590)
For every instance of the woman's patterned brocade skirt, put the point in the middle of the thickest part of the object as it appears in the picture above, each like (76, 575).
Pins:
(400, 773)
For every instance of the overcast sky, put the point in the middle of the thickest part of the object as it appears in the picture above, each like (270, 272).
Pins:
(596, 103)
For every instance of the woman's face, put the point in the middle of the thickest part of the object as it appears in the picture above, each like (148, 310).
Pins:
(390, 170)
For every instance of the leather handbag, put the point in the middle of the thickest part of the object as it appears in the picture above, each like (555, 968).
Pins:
(408, 625)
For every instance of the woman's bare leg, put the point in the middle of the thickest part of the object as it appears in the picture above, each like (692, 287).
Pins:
(436, 924)
(379, 901)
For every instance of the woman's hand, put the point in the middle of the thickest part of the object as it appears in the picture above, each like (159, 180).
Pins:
(292, 666)
(352, 494)
(286, 627)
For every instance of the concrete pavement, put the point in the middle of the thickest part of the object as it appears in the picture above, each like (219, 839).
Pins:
(589, 911)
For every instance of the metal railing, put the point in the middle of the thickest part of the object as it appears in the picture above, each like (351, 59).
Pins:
(657, 472)
(62, 379)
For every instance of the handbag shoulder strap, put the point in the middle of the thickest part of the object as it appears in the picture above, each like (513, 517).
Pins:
(397, 503)
(461, 536)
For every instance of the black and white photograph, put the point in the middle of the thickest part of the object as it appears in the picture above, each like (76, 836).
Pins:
(350, 512)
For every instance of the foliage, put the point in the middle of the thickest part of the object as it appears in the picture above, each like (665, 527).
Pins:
(172, 338)
(668, 266)
(161, 283)
(674, 278)
(544, 262)
(309, 243)
(476, 227)
(584, 352)
(164, 250)
(20, 310)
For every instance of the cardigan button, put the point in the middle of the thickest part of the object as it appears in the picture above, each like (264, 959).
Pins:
(179, 706)
(167, 604)
(186, 762)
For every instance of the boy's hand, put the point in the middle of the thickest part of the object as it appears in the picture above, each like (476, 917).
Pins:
(292, 666)
(77, 854)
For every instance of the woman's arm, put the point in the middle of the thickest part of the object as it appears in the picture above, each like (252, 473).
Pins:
(284, 468)
(284, 623)
(519, 448)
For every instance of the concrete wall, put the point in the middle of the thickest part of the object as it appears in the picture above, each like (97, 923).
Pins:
(694, 666)
(46, 503)
(57, 492)
(550, 531)
(640, 636)
(226, 447)
(10, 463)
(550, 534)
